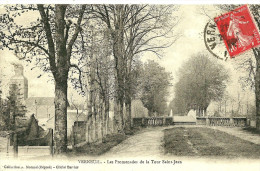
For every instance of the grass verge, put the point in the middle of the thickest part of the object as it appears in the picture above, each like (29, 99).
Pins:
(99, 148)
(252, 130)
(207, 142)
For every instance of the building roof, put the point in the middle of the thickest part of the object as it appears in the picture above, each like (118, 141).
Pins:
(40, 101)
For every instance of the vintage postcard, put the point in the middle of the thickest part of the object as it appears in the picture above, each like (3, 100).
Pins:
(129, 85)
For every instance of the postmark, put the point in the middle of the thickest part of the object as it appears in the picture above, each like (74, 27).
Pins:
(238, 31)
(214, 42)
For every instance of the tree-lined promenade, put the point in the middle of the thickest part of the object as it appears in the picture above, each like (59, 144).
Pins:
(96, 48)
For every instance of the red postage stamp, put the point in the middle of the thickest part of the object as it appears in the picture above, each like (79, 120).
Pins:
(238, 30)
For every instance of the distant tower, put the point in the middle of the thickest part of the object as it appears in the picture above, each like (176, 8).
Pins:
(20, 80)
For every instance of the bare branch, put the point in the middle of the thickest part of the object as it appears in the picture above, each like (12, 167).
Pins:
(77, 30)
(32, 44)
(48, 33)
(80, 74)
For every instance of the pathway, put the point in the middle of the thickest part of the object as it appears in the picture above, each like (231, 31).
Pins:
(149, 141)
(144, 144)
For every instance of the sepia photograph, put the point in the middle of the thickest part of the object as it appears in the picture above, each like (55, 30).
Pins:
(129, 85)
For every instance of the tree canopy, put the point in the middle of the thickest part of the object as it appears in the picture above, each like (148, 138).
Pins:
(201, 80)
(155, 84)
(61, 39)
(253, 78)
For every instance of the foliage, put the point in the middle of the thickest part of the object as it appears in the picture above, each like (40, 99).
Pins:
(48, 38)
(67, 41)
(134, 29)
(4, 114)
(155, 84)
(253, 68)
(11, 108)
(15, 105)
(201, 80)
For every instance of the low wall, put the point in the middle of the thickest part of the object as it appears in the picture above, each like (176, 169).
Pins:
(211, 121)
(201, 121)
(152, 121)
(252, 123)
(222, 121)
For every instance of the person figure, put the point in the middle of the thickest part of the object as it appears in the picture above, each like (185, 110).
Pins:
(234, 30)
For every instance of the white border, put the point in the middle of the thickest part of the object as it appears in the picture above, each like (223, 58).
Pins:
(130, 2)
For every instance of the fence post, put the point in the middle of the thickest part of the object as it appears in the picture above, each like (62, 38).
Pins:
(73, 137)
(232, 122)
(51, 142)
(15, 145)
(247, 122)
(7, 144)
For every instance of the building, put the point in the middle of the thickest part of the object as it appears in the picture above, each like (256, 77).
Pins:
(21, 81)
(42, 107)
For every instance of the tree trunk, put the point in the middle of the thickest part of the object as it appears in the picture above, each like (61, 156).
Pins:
(118, 52)
(96, 122)
(256, 52)
(257, 86)
(91, 101)
(150, 113)
(102, 118)
(128, 105)
(59, 53)
(60, 135)
(107, 115)
(92, 128)
(119, 105)
(61, 85)
(118, 116)
(205, 111)
(115, 124)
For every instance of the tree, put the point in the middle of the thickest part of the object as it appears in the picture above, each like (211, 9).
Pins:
(201, 80)
(4, 116)
(256, 75)
(178, 107)
(50, 37)
(134, 29)
(15, 106)
(100, 76)
(155, 84)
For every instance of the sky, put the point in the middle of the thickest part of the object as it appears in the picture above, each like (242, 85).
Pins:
(192, 21)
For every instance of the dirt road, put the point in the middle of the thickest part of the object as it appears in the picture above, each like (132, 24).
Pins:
(146, 143)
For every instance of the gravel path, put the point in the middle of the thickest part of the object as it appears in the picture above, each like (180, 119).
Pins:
(148, 142)
(144, 144)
